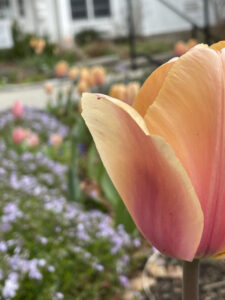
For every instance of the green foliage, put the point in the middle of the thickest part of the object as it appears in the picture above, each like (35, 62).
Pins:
(87, 36)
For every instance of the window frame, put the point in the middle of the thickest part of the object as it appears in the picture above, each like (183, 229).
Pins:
(82, 17)
(90, 11)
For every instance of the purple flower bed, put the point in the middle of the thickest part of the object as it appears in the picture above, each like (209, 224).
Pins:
(51, 248)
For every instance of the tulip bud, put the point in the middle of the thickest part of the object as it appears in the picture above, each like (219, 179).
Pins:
(191, 43)
(48, 87)
(61, 68)
(82, 86)
(180, 48)
(131, 92)
(39, 47)
(56, 139)
(18, 109)
(118, 91)
(33, 140)
(33, 42)
(19, 135)
(98, 75)
(73, 72)
(84, 74)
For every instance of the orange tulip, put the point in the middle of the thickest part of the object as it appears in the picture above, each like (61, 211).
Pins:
(98, 75)
(131, 92)
(82, 86)
(73, 73)
(166, 153)
(61, 68)
(118, 91)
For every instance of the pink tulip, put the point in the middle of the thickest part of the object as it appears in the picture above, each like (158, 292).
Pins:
(56, 139)
(18, 109)
(166, 153)
(33, 140)
(19, 135)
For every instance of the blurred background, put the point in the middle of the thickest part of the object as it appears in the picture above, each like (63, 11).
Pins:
(64, 231)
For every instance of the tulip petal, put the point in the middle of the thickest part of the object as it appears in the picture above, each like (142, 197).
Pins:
(189, 114)
(218, 46)
(147, 175)
(151, 87)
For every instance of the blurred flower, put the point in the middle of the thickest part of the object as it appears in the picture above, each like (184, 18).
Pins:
(19, 135)
(56, 139)
(59, 295)
(61, 68)
(69, 39)
(33, 140)
(33, 42)
(40, 45)
(18, 109)
(180, 48)
(98, 75)
(84, 74)
(124, 281)
(191, 43)
(73, 73)
(82, 86)
(118, 91)
(48, 87)
(131, 92)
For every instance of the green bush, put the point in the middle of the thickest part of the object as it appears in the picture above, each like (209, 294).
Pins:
(87, 36)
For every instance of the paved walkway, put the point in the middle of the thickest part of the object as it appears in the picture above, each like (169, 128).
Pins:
(32, 95)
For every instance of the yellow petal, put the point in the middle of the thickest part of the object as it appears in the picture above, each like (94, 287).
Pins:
(189, 114)
(151, 87)
(148, 176)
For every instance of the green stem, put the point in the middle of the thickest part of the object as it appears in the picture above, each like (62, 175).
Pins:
(190, 280)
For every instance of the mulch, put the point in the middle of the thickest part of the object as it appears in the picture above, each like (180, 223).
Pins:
(163, 279)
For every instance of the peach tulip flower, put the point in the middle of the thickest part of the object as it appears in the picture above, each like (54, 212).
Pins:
(98, 75)
(56, 139)
(166, 153)
(118, 91)
(132, 91)
(19, 135)
(73, 73)
(48, 87)
(33, 140)
(82, 86)
(61, 69)
(180, 48)
(18, 109)
(191, 43)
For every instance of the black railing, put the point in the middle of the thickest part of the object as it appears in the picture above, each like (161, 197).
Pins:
(195, 28)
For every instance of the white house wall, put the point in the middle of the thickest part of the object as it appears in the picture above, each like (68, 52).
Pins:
(53, 17)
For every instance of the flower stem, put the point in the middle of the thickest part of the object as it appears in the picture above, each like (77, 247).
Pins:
(190, 280)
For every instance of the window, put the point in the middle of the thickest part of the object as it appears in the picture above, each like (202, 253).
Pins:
(101, 8)
(4, 8)
(21, 8)
(79, 9)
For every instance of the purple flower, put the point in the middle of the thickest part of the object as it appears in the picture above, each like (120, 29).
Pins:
(124, 281)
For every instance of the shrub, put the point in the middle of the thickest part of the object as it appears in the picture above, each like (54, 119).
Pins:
(87, 36)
